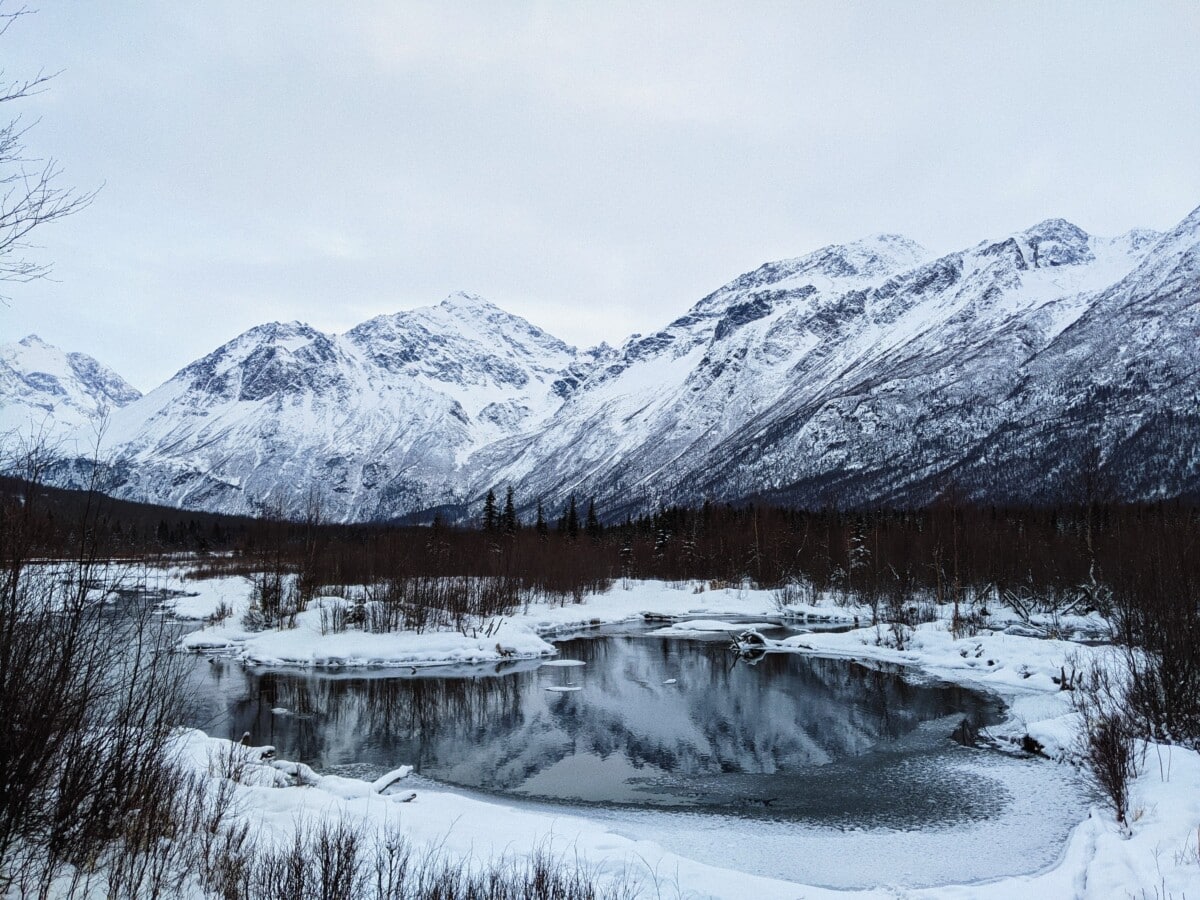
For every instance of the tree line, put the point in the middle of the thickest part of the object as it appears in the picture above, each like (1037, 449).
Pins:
(948, 548)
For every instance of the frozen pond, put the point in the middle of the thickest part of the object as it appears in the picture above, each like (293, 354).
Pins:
(672, 740)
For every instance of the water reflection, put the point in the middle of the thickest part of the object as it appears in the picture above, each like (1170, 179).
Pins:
(649, 721)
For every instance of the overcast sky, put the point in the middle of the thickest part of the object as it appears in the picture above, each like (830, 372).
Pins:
(594, 167)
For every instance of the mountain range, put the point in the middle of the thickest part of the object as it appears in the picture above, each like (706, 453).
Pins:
(1041, 366)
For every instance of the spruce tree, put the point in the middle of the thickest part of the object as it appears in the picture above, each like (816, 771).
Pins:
(543, 530)
(489, 511)
(593, 523)
(572, 519)
(509, 520)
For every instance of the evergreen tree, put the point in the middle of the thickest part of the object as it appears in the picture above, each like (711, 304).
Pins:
(593, 523)
(543, 529)
(572, 519)
(509, 520)
(489, 511)
(662, 535)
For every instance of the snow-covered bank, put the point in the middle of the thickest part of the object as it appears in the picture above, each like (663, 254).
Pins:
(277, 797)
(278, 802)
(311, 643)
(306, 645)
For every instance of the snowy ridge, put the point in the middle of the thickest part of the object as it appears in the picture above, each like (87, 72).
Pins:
(45, 391)
(1014, 371)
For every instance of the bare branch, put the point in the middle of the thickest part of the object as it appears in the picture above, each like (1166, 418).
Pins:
(31, 193)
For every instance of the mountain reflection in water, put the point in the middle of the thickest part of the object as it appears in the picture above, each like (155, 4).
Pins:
(655, 721)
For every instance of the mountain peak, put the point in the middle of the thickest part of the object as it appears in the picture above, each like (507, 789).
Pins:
(894, 243)
(877, 252)
(467, 300)
(1051, 242)
(865, 258)
(54, 392)
(290, 333)
(1058, 229)
(841, 267)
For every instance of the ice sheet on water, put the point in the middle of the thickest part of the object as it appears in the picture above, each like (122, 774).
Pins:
(1027, 833)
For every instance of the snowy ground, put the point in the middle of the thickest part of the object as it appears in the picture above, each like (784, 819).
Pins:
(520, 636)
(1158, 858)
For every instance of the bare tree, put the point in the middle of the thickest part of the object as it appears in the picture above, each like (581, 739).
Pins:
(30, 191)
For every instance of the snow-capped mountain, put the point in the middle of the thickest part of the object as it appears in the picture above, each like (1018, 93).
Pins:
(48, 394)
(371, 423)
(907, 395)
(854, 375)
(1031, 367)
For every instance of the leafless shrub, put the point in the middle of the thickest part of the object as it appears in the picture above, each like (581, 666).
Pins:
(334, 618)
(1110, 731)
(903, 607)
(1158, 624)
(420, 603)
(266, 600)
(321, 862)
(220, 614)
(331, 860)
(792, 593)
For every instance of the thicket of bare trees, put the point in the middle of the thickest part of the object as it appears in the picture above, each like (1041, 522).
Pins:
(1033, 560)
(1150, 688)
(89, 696)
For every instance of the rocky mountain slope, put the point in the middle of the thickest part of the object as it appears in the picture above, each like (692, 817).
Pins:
(1038, 366)
(860, 374)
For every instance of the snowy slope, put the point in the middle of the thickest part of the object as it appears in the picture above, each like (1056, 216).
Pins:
(1113, 403)
(48, 392)
(895, 407)
(701, 378)
(848, 376)
(370, 423)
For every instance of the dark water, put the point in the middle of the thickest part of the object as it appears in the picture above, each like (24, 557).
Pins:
(647, 721)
